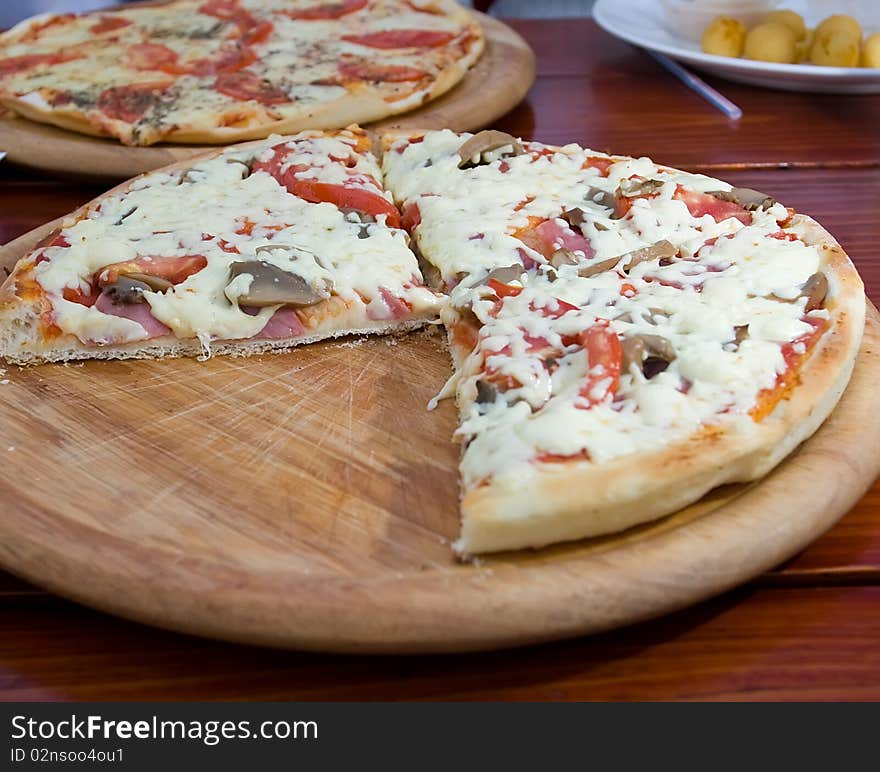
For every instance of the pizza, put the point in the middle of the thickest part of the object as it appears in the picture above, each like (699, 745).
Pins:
(222, 71)
(625, 336)
(257, 248)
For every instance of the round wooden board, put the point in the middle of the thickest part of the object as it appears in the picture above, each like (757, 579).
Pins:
(308, 500)
(495, 84)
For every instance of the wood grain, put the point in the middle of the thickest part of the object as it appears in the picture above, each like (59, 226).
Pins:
(497, 82)
(308, 500)
(777, 644)
(596, 89)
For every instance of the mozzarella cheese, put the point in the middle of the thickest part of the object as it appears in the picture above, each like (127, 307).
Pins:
(221, 211)
(726, 277)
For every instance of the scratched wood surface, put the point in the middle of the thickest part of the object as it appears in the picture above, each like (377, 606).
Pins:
(814, 642)
(496, 83)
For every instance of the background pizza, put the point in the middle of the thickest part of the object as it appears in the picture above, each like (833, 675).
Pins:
(213, 71)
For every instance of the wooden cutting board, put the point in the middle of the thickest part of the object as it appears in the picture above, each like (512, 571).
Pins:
(494, 85)
(308, 500)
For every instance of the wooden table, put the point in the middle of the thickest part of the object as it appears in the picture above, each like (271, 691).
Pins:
(808, 630)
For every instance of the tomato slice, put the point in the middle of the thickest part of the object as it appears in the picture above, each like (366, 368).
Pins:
(54, 239)
(555, 235)
(556, 458)
(604, 356)
(794, 353)
(151, 56)
(173, 269)
(259, 33)
(228, 10)
(562, 308)
(402, 38)
(13, 64)
(546, 236)
(601, 164)
(323, 11)
(412, 217)
(345, 198)
(131, 103)
(77, 295)
(108, 24)
(503, 290)
(700, 204)
(379, 73)
(245, 86)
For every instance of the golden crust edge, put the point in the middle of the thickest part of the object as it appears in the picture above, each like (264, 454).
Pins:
(637, 489)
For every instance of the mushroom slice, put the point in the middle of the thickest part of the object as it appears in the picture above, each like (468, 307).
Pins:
(129, 213)
(815, 290)
(505, 274)
(601, 197)
(652, 354)
(273, 286)
(746, 197)
(575, 216)
(126, 291)
(563, 257)
(154, 283)
(359, 217)
(659, 346)
(639, 187)
(248, 168)
(632, 350)
(483, 142)
(656, 251)
(609, 264)
(486, 392)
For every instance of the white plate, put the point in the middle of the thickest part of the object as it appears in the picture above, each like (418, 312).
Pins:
(642, 23)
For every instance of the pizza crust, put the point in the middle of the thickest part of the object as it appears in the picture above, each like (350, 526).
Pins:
(21, 307)
(574, 500)
(362, 105)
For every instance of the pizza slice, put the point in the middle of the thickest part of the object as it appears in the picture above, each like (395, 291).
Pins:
(260, 247)
(626, 336)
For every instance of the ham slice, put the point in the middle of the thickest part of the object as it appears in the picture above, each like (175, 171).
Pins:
(136, 312)
(285, 323)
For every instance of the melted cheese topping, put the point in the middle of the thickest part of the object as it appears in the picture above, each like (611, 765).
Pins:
(221, 211)
(290, 67)
(540, 395)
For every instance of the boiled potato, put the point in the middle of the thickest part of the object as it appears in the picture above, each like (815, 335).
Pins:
(835, 49)
(804, 46)
(724, 37)
(840, 22)
(871, 51)
(771, 42)
(790, 19)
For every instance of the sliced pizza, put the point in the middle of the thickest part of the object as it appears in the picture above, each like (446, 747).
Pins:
(221, 71)
(626, 336)
(260, 247)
